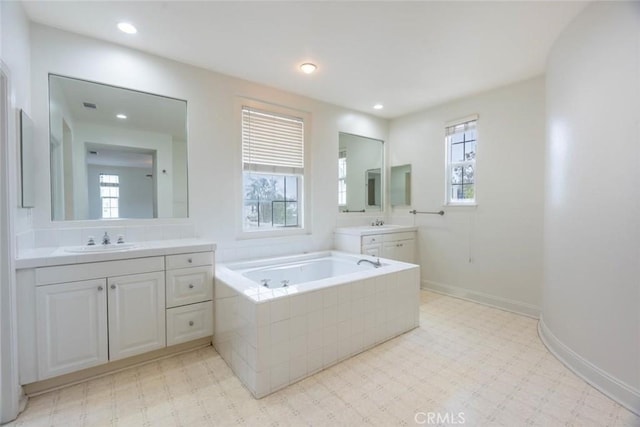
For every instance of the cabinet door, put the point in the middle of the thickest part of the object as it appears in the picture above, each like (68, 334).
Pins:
(136, 314)
(401, 250)
(71, 326)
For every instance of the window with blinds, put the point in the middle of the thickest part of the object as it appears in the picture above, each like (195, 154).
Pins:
(273, 170)
(461, 138)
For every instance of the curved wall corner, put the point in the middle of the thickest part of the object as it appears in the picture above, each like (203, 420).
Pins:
(591, 294)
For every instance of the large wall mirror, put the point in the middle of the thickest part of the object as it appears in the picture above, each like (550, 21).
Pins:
(360, 173)
(116, 153)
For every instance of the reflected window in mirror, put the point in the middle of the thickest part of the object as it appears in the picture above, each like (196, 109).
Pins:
(102, 130)
(109, 194)
(342, 178)
(360, 173)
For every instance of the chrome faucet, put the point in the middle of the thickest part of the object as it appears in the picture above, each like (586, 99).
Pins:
(106, 240)
(378, 222)
(375, 264)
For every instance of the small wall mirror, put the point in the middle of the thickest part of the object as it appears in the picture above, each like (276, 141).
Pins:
(360, 176)
(400, 185)
(27, 172)
(116, 153)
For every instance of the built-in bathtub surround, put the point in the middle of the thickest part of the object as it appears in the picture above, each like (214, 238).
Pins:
(273, 337)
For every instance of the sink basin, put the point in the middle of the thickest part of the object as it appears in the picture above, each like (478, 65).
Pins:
(115, 247)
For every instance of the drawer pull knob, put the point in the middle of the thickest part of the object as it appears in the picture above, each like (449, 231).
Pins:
(100, 288)
(190, 285)
(113, 286)
(189, 260)
(190, 322)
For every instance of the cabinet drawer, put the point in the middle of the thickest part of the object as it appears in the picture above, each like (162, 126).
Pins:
(189, 260)
(370, 240)
(189, 285)
(394, 237)
(189, 322)
(372, 250)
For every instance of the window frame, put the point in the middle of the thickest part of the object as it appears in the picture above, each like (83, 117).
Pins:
(304, 189)
(448, 201)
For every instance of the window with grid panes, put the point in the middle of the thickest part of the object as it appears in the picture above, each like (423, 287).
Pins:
(109, 194)
(462, 144)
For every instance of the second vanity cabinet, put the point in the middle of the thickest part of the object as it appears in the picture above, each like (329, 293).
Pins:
(397, 243)
(82, 315)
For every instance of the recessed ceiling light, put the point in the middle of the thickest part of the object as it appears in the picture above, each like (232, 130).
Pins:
(308, 67)
(125, 27)
(378, 107)
(121, 116)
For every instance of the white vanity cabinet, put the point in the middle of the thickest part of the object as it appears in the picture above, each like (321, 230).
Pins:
(399, 246)
(393, 242)
(81, 315)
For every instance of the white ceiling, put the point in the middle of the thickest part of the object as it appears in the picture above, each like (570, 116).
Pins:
(406, 55)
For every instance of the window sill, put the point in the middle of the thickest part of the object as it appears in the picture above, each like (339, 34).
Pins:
(460, 205)
(264, 234)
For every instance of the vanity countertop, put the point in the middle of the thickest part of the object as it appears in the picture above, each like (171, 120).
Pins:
(368, 230)
(45, 257)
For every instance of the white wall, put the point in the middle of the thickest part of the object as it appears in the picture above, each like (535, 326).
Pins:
(491, 253)
(14, 53)
(180, 179)
(214, 154)
(591, 309)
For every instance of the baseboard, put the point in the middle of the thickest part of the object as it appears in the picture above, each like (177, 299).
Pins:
(517, 307)
(624, 394)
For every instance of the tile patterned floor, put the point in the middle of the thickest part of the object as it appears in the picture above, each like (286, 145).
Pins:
(466, 363)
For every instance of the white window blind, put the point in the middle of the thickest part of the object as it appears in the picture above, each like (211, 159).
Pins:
(272, 143)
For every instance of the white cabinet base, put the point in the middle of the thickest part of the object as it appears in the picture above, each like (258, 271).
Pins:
(397, 244)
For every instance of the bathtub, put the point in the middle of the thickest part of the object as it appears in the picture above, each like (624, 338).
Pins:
(280, 320)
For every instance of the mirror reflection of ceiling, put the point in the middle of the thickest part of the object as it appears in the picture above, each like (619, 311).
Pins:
(144, 111)
(101, 156)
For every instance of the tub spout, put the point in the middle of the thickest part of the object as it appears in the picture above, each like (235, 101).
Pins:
(375, 264)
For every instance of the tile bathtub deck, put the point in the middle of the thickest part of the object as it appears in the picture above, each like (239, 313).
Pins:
(465, 360)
